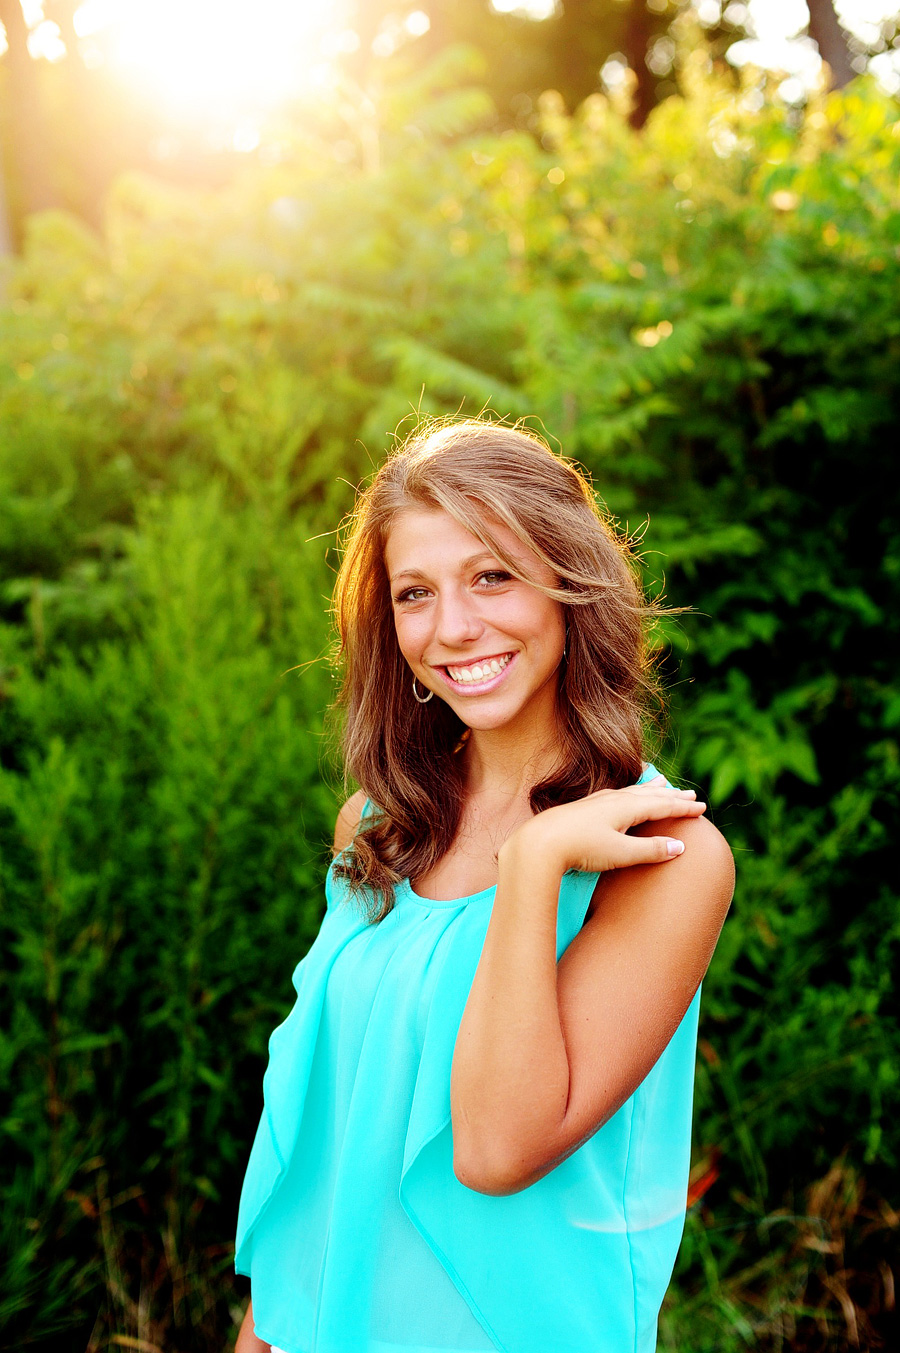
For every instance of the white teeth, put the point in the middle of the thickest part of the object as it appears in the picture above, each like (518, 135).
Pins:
(479, 671)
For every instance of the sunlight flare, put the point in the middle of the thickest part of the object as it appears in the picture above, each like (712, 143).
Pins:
(206, 55)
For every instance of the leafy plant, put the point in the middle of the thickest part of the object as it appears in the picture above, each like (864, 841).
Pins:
(703, 313)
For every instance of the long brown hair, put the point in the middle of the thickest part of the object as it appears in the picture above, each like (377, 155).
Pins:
(402, 753)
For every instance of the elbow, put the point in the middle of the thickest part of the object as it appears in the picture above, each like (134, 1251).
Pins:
(493, 1179)
(481, 1159)
(497, 1177)
(504, 1163)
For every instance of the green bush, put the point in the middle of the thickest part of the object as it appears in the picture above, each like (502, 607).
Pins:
(704, 313)
(162, 818)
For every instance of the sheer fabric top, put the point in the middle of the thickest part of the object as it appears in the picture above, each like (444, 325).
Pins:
(354, 1231)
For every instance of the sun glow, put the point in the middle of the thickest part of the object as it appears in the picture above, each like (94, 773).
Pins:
(230, 62)
(213, 56)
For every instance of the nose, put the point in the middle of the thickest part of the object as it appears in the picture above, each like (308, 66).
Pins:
(457, 620)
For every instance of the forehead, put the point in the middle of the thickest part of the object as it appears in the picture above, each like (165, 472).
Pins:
(423, 539)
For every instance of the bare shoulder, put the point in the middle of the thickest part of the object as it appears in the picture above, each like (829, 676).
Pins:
(708, 846)
(348, 820)
(701, 879)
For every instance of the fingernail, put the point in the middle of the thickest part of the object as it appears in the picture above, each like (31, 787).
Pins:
(674, 847)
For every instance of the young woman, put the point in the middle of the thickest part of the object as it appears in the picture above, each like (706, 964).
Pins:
(476, 1131)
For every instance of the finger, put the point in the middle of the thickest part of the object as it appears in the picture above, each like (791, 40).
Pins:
(641, 791)
(650, 849)
(662, 803)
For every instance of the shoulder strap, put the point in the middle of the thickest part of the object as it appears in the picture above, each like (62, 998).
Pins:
(367, 810)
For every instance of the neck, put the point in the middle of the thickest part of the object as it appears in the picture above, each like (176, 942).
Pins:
(506, 763)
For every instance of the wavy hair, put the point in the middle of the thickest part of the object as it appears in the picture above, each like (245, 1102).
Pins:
(402, 753)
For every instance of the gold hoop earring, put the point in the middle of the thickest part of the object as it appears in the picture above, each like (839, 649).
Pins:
(422, 699)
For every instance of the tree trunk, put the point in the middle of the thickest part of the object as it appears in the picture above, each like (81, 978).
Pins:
(582, 39)
(88, 138)
(638, 31)
(831, 41)
(6, 236)
(27, 124)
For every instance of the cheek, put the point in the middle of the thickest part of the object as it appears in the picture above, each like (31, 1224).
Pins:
(543, 622)
(411, 634)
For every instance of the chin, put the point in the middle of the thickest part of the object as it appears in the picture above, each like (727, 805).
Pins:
(485, 721)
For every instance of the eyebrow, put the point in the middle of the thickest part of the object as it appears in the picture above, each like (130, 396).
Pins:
(466, 564)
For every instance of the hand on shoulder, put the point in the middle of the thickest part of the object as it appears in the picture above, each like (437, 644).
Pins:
(590, 834)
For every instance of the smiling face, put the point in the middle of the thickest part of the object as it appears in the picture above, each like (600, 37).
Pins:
(487, 643)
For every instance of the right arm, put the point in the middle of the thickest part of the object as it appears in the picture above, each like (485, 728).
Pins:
(247, 1342)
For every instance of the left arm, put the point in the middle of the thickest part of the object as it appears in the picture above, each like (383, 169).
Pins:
(547, 1053)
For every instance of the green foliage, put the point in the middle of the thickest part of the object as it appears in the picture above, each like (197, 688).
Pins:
(162, 824)
(704, 313)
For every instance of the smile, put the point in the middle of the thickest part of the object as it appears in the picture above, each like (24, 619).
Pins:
(481, 675)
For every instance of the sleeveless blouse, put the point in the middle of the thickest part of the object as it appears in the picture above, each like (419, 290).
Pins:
(354, 1231)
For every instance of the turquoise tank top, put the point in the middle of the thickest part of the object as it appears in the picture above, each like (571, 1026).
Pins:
(354, 1231)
